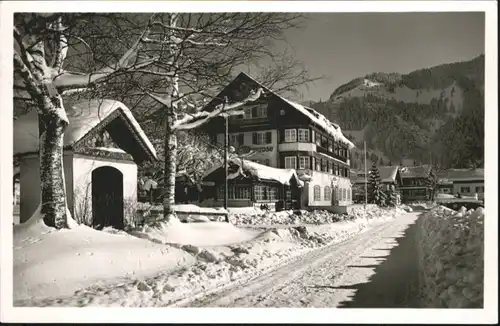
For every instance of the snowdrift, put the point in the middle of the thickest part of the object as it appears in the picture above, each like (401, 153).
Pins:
(198, 234)
(259, 217)
(451, 258)
(49, 262)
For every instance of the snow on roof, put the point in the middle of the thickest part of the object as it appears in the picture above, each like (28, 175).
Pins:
(461, 174)
(331, 128)
(83, 117)
(415, 171)
(262, 172)
(387, 174)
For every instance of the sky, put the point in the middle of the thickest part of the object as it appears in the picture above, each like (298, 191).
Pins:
(344, 46)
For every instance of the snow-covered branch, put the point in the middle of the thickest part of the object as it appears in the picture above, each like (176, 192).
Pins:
(192, 121)
(68, 79)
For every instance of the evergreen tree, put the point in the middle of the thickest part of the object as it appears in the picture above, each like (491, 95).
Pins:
(375, 193)
(391, 197)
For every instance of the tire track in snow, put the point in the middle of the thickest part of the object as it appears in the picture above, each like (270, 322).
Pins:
(284, 286)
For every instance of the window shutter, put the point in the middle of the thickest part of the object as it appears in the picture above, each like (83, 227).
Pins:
(313, 136)
(254, 112)
(269, 137)
(241, 139)
(254, 138)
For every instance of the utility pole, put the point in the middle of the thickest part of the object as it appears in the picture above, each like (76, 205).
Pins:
(366, 179)
(226, 136)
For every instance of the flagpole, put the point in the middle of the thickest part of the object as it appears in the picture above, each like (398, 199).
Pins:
(366, 180)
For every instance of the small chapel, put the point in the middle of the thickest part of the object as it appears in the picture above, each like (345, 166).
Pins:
(103, 146)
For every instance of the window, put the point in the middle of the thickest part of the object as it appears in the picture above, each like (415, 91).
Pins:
(324, 165)
(349, 194)
(344, 194)
(480, 189)
(303, 135)
(304, 162)
(248, 113)
(263, 192)
(317, 193)
(236, 139)
(330, 167)
(272, 193)
(464, 189)
(318, 164)
(337, 148)
(330, 145)
(261, 138)
(241, 192)
(324, 142)
(336, 168)
(259, 192)
(313, 164)
(290, 135)
(328, 193)
(288, 194)
(290, 162)
(318, 139)
(234, 192)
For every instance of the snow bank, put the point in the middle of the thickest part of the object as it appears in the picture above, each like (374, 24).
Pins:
(309, 217)
(50, 262)
(451, 257)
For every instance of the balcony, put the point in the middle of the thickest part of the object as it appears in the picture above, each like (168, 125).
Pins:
(293, 147)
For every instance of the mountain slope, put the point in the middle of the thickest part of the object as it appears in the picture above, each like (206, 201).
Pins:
(435, 112)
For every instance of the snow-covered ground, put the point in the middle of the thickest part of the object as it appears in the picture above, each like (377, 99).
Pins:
(49, 263)
(451, 256)
(81, 266)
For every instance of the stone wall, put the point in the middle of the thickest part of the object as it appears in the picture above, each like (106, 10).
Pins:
(451, 258)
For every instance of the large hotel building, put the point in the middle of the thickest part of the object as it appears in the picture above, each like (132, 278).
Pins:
(282, 135)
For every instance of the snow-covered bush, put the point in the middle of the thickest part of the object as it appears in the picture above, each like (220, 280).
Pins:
(451, 258)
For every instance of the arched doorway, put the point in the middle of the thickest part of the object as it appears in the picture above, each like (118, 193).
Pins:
(107, 198)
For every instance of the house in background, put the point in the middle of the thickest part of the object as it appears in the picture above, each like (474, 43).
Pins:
(103, 144)
(389, 176)
(466, 182)
(286, 135)
(415, 187)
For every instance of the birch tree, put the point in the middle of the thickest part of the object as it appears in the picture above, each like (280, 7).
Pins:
(41, 44)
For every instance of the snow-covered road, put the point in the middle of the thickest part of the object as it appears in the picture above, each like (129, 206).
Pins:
(376, 268)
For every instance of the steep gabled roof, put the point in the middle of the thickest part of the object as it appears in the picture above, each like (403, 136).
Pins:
(84, 117)
(314, 116)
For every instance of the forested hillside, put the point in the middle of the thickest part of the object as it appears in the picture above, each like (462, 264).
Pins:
(435, 113)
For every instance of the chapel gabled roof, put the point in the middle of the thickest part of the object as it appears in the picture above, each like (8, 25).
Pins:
(85, 117)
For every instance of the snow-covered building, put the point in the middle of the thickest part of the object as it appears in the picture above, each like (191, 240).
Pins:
(103, 144)
(254, 184)
(389, 176)
(415, 183)
(466, 182)
(286, 135)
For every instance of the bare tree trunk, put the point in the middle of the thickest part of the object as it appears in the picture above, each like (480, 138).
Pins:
(52, 123)
(170, 171)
